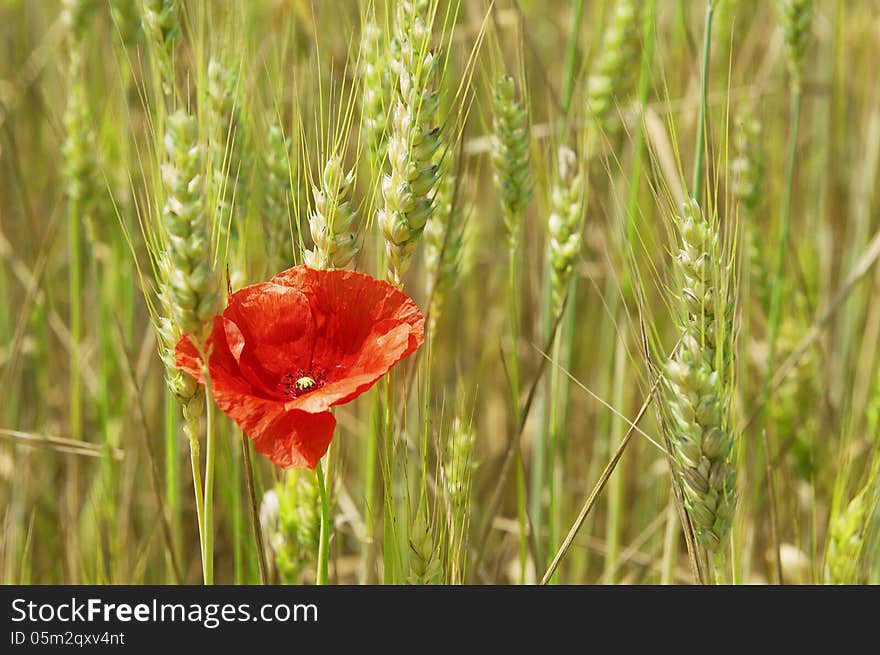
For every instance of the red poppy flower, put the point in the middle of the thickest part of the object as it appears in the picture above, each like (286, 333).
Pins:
(284, 352)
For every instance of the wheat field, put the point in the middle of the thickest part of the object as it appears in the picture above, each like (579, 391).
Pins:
(624, 325)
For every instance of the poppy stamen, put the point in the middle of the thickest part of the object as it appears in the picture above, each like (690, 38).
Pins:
(293, 385)
(304, 383)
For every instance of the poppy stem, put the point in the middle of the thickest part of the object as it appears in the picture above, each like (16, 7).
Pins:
(324, 543)
(254, 507)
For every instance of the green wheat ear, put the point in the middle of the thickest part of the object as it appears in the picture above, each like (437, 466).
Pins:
(696, 391)
(276, 199)
(126, 21)
(161, 22)
(459, 465)
(510, 154)
(332, 219)
(81, 169)
(425, 566)
(612, 72)
(846, 540)
(413, 141)
(565, 225)
(747, 178)
(747, 167)
(442, 252)
(290, 518)
(797, 18)
(376, 91)
(188, 287)
(226, 138)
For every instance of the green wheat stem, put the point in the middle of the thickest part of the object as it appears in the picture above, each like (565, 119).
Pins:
(371, 451)
(378, 424)
(103, 405)
(776, 297)
(199, 497)
(74, 237)
(697, 185)
(670, 544)
(558, 406)
(616, 483)
(782, 247)
(208, 511)
(616, 487)
(239, 535)
(74, 226)
(513, 370)
(553, 433)
(172, 474)
(324, 540)
(389, 531)
(719, 566)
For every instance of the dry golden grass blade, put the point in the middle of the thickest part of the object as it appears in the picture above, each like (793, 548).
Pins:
(59, 444)
(860, 270)
(594, 494)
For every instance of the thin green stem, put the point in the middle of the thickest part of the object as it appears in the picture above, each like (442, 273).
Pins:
(371, 451)
(254, 508)
(324, 542)
(616, 487)
(697, 185)
(542, 436)
(782, 247)
(774, 311)
(670, 544)
(208, 513)
(513, 370)
(233, 499)
(719, 566)
(194, 457)
(571, 60)
(172, 474)
(74, 219)
(553, 450)
(390, 550)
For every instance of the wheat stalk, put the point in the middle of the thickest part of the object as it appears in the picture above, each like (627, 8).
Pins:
(697, 384)
(611, 76)
(376, 90)
(565, 224)
(846, 540)
(276, 198)
(444, 238)
(425, 566)
(290, 517)
(511, 162)
(332, 219)
(413, 141)
(226, 151)
(796, 17)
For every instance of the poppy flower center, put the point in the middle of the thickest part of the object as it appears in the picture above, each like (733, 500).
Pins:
(294, 385)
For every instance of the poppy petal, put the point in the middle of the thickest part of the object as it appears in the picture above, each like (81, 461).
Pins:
(363, 327)
(224, 372)
(296, 439)
(290, 438)
(385, 350)
(276, 327)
